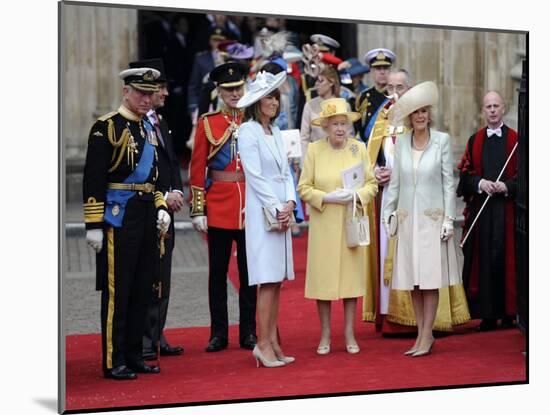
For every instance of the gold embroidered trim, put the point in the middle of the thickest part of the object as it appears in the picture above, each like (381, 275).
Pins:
(121, 144)
(93, 218)
(126, 113)
(198, 203)
(211, 138)
(93, 211)
(159, 200)
(434, 214)
(107, 116)
(111, 303)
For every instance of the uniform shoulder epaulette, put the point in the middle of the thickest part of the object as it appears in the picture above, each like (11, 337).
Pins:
(107, 116)
(207, 114)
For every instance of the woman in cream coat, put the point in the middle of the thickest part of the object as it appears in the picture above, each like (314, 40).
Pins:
(269, 185)
(422, 196)
(334, 271)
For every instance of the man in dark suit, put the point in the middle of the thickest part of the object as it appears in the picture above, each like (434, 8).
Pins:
(170, 184)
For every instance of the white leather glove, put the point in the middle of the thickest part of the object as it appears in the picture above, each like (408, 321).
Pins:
(339, 196)
(200, 223)
(447, 229)
(94, 237)
(163, 221)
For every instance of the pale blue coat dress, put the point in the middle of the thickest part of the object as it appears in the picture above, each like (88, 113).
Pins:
(268, 184)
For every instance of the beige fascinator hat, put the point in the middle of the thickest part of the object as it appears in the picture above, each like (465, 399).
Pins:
(264, 83)
(419, 96)
(335, 106)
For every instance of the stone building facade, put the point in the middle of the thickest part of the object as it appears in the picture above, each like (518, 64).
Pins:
(98, 42)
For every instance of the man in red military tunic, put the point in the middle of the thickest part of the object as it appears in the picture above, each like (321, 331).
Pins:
(217, 186)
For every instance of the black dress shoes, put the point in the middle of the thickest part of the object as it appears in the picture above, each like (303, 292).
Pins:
(120, 373)
(248, 342)
(507, 323)
(141, 367)
(216, 344)
(164, 351)
(168, 350)
(487, 324)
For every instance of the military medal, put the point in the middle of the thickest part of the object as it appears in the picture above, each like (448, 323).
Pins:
(131, 149)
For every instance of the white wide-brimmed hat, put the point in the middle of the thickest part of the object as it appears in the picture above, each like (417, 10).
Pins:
(419, 96)
(264, 83)
(335, 106)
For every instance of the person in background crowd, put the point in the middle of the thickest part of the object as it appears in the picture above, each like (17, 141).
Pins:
(368, 103)
(327, 86)
(203, 63)
(217, 205)
(489, 253)
(334, 271)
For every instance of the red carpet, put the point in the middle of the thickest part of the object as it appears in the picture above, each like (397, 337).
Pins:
(466, 357)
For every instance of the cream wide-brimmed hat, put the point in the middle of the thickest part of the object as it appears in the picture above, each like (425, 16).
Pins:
(335, 106)
(264, 83)
(419, 96)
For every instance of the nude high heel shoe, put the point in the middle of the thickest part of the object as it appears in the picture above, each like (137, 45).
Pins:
(266, 363)
(425, 352)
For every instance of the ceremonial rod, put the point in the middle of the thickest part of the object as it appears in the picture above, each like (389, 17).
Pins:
(488, 196)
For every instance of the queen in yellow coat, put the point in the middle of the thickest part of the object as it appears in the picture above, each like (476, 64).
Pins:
(334, 271)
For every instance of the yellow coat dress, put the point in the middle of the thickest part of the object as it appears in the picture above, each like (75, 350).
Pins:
(334, 271)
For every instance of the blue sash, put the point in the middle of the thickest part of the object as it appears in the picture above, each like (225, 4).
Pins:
(220, 161)
(117, 199)
(369, 126)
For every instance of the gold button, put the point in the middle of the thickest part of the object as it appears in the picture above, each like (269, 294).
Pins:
(140, 193)
(369, 114)
(368, 104)
(368, 94)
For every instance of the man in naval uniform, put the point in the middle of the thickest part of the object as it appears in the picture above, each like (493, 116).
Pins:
(370, 101)
(170, 184)
(121, 208)
(217, 205)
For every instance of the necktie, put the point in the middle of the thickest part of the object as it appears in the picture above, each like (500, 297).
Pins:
(156, 124)
(497, 131)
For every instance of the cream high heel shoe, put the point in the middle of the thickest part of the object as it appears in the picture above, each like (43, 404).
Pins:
(323, 349)
(352, 348)
(286, 359)
(424, 352)
(266, 363)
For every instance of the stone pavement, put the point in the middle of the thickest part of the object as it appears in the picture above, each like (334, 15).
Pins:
(189, 292)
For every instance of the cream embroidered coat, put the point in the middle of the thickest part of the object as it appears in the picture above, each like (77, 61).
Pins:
(422, 199)
(334, 271)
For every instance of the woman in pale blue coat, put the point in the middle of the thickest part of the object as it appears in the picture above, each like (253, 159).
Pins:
(421, 195)
(269, 185)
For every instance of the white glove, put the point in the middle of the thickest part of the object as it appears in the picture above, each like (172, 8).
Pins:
(339, 196)
(447, 230)
(94, 237)
(200, 224)
(163, 221)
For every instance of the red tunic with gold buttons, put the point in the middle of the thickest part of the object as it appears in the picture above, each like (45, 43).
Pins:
(215, 150)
